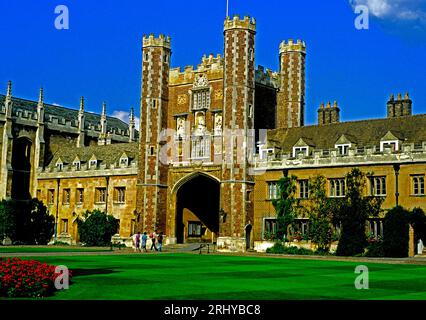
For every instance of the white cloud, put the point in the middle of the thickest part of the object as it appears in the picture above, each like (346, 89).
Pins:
(406, 10)
(124, 116)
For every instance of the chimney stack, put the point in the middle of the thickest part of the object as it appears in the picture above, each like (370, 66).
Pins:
(399, 107)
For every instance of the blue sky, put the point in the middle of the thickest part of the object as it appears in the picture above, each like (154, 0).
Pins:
(100, 55)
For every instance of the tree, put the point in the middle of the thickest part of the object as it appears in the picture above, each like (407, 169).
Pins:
(26, 222)
(286, 204)
(321, 214)
(7, 221)
(395, 232)
(42, 223)
(353, 212)
(97, 228)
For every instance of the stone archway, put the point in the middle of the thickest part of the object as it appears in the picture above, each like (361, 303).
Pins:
(197, 208)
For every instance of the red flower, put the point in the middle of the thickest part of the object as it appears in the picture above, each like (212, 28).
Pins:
(20, 278)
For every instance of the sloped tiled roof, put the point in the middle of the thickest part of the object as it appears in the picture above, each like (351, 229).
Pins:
(107, 154)
(66, 113)
(410, 129)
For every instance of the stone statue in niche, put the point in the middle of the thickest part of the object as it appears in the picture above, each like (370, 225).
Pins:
(180, 126)
(200, 123)
(218, 122)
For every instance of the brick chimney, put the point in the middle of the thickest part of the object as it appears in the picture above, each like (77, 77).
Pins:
(399, 107)
(335, 113)
(328, 114)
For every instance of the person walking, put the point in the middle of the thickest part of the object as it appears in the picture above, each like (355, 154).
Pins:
(137, 242)
(144, 239)
(160, 241)
(153, 237)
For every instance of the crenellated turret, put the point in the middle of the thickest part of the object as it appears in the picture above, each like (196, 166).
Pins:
(236, 23)
(154, 112)
(291, 94)
(238, 123)
(160, 41)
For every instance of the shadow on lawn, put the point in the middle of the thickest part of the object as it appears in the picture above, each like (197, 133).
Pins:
(90, 272)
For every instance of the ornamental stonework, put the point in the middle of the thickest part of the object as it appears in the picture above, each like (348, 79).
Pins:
(182, 99)
(218, 95)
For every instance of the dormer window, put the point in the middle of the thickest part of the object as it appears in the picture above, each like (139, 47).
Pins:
(124, 160)
(343, 149)
(393, 145)
(77, 165)
(390, 140)
(304, 151)
(93, 162)
(265, 152)
(301, 148)
(59, 164)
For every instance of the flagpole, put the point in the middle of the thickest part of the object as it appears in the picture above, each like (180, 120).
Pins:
(227, 8)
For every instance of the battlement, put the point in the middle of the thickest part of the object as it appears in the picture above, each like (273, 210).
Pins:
(291, 46)
(210, 64)
(267, 77)
(160, 41)
(237, 23)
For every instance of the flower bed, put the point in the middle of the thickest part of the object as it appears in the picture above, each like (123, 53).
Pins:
(27, 278)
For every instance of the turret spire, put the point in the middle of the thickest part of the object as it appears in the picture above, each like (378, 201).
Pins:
(41, 97)
(82, 104)
(132, 125)
(132, 115)
(104, 110)
(9, 89)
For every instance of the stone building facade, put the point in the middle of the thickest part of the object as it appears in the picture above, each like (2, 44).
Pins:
(214, 140)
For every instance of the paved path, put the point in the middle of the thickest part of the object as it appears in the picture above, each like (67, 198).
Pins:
(420, 260)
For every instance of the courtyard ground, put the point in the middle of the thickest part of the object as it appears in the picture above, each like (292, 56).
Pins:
(16, 250)
(228, 277)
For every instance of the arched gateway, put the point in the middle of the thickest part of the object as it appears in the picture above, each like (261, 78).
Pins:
(197, 208)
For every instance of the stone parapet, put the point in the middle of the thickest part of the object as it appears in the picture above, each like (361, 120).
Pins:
(85, 172)
(160, 41)
(291, 46)
(319, 158)
(237, 23)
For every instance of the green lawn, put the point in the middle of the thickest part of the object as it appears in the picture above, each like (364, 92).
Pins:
(188, 276)
(48, 249)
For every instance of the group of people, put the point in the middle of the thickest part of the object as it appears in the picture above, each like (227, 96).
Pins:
(156, 241)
